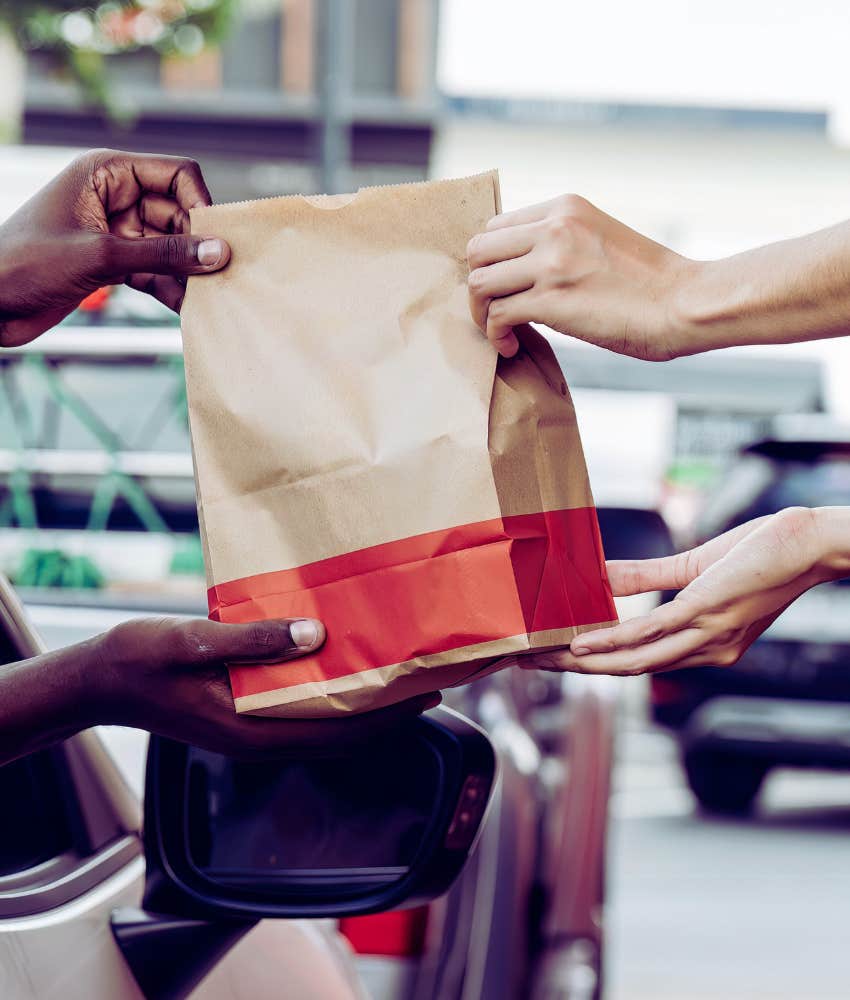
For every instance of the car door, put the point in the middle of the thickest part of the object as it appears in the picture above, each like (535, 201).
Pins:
(70, 854)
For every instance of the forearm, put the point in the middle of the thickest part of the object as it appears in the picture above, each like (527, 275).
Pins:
(46, 699)
(796, 290)
(833, 541)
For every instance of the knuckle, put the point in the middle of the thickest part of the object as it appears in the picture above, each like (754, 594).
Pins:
(193, 643)
(727, 637)
(554, 268)
(172, 251)
(186, 167)
(190, 166)
(727, 657)
(473, 250)
(477, 281)
(792, 523)
(102, 165)
(559, 226)
(93, 160)
(262, 638)
(179, 222)
(570, 206)
(498, 310)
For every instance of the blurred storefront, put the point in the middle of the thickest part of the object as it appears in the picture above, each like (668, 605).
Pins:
(297, 91)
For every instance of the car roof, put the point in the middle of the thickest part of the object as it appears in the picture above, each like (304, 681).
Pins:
(802, 437)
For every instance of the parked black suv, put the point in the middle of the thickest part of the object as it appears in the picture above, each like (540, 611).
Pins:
(787, 701)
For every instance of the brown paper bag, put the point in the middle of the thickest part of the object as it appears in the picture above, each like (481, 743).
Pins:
(362, 457)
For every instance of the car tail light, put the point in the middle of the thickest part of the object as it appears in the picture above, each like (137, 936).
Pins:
(96, 300)
(398, 934)
(666, 690)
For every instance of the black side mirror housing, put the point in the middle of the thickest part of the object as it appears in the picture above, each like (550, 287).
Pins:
(388, 825)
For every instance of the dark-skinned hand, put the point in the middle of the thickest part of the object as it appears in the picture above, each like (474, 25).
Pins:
(107, 218)
(169, 676)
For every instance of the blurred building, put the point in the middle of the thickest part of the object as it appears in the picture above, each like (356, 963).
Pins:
(304, 95)
(721, 401)
(708, 182)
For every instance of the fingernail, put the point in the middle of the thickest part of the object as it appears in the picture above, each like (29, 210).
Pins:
(579, 650)
(304, 633)
(210, 252)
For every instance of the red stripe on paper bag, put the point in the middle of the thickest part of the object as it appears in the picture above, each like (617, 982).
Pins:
(428, 594)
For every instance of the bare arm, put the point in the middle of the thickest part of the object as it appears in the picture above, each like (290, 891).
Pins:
(782, 293)
(170, 677)
(569, 265)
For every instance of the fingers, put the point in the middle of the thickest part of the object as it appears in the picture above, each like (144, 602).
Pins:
(500, 244)
(506, 277)
(201, 642)
(683, 648)
(174, 255)
(170, 291)
(505, 313)
(175, 176)
(522, 216)
(663, 620)
(641, 576)
(163, 214)
(151, 215)
(120, 178)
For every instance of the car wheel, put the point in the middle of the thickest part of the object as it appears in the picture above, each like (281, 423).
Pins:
(724, 783)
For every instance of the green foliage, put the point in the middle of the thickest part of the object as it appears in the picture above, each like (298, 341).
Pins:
(188, 558)
(78, 37)
(54, 568)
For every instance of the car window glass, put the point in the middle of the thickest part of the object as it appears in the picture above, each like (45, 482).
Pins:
(35, 825)
(740, 487)
(823, 483)
(633, 533)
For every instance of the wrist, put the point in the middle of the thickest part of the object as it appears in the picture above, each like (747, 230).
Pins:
(46, 699)
(833, 541)
(81, 678)
(102, 677)
(706, 307)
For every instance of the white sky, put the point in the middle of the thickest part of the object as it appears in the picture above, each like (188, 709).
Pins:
(759, 53)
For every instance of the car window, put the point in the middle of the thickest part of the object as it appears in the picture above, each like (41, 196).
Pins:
(821, 483)
(631, 533)
(35, 825)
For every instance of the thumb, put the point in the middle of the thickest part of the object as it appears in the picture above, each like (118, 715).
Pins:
(175, 255)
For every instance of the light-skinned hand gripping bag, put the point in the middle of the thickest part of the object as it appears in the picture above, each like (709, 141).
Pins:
(362, 456)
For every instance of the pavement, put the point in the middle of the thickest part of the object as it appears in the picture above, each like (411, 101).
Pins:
(715, 909)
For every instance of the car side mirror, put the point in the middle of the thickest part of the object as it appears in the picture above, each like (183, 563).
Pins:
(387, 825)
